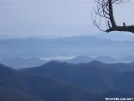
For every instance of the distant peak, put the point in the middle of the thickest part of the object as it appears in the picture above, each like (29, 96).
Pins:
(95, 62)
(54, 63)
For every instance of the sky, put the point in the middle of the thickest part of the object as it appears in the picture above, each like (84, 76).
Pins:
(55, 17)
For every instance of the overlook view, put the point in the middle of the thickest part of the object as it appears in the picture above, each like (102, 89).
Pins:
(54, 51)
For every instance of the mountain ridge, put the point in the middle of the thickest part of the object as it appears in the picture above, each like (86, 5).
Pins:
(90, 45)
(39, 87)
(94, 76)
(19, 63)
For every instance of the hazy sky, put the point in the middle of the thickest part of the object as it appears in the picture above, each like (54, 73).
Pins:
(55, 17)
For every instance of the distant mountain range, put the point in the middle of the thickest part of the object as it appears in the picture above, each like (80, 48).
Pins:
(19, 63)
(94, 75)
(104, 59)
(74, 82)
(86, 59)
(67, 46)
(118, 36)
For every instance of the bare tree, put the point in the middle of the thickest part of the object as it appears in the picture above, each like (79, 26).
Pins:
(104, 9)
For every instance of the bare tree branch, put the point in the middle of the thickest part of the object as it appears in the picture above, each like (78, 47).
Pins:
(104, 9)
